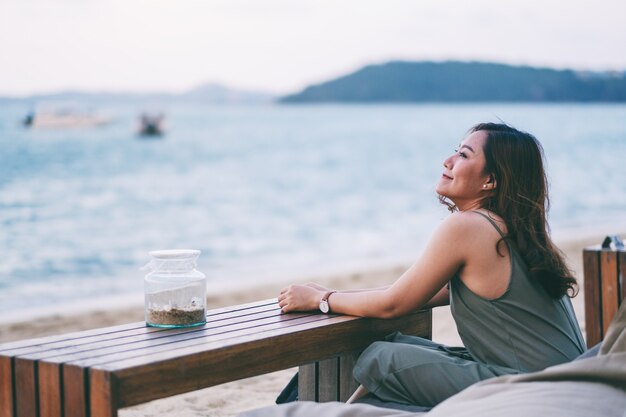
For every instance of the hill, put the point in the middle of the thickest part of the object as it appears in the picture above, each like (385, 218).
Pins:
(456, 81)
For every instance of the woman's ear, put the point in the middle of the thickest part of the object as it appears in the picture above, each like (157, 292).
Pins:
(490, 184)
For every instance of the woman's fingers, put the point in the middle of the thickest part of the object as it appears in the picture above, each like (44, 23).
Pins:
(284, 306)
(297, 298)
(283, 299)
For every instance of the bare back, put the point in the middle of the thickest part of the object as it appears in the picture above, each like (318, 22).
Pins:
(487, 269)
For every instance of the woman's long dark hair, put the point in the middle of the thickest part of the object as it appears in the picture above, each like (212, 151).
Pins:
(515, 161)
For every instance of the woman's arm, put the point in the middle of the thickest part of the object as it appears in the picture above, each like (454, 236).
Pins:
(442, 298)
(322, 288)
(421, 285)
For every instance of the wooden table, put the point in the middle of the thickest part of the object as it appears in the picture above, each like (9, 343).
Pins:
(96, 372)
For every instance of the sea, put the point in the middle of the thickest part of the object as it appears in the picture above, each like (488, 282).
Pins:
(266, 192)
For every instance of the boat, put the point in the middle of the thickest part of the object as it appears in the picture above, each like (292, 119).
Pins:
(151, 125)
(63, 117)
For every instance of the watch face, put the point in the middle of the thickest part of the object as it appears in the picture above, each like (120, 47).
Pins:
(324, 306)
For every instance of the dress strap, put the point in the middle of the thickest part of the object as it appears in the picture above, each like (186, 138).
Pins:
(491, 221)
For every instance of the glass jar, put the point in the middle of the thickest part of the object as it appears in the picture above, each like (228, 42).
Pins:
(175, 292)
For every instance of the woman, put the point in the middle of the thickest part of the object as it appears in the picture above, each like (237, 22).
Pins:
(492, 260)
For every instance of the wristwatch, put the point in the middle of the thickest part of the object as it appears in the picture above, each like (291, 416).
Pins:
(324, 306)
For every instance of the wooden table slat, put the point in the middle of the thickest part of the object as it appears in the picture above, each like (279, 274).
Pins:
(593, 312)
(7, 404)
(328, 377)
(50, 388)
(347, 383)
(169, 341)
(75, 391)
(26, 401)
(103, 391)
(206, 339)
(622, 275)
(103, 331)
(609, 288)
(64, 351)
(307, 382)
(136, 329)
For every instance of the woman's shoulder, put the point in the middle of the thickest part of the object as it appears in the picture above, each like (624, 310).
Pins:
(474, 222)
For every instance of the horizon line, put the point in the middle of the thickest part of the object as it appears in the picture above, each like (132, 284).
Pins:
(276, 93)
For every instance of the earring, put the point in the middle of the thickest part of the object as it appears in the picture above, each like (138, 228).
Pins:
(484, 186)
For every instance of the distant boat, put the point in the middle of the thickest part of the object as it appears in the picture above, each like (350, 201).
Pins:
(151, 125)
(63, 117)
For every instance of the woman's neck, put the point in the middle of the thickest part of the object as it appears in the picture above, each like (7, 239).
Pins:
(468, 205)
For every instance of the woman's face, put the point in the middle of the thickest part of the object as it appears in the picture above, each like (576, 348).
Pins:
(464, 180)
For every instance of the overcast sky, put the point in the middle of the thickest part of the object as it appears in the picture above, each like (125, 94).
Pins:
(283, 45)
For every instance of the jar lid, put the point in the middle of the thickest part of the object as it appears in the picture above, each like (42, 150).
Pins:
(174, 254)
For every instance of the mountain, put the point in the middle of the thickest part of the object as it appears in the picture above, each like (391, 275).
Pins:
(207, 94)
(455, 81)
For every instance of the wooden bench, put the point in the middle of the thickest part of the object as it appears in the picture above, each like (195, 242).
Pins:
(96, 372)
(604, 268)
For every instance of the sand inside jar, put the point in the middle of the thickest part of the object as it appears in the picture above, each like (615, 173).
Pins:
(176, 316)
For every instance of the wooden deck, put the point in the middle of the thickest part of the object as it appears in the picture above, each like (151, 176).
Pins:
(96, 372)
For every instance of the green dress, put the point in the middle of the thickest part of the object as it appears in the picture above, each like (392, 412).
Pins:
(524, 330)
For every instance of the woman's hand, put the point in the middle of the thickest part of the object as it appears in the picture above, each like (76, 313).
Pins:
(299, 298)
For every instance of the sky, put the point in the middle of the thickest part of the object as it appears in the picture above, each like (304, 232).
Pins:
(281, 46)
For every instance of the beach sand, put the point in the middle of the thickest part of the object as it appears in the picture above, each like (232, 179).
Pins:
(233, 398)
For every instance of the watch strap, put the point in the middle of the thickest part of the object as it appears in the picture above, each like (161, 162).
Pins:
(328, 294)
(325, 299)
